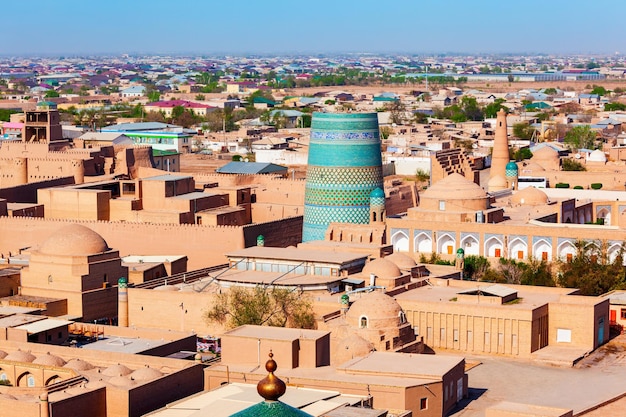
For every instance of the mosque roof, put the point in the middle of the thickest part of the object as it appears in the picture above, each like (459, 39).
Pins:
(50, 360)
(597, 156)
(75, 240)
(454, 187)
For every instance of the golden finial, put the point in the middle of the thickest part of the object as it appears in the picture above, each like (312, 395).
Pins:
(271, 387)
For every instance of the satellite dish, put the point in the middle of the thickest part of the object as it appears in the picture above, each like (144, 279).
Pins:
(577, 156)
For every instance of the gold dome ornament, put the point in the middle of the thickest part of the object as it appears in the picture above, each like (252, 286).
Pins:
(271, 387)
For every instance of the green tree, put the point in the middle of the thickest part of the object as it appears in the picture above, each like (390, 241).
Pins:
(153, 95)
(614, 106)
(599, 90)
(521, 154)
(492, 109)
(591, 271)
(581, 137)
(200, 97)
(523, 131)
(471, 109)
(51, 94)
(571, 165)
(262, 306)
(550, 91)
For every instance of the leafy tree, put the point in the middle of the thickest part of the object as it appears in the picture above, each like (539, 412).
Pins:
(538, 272)
(421, 175)
(523, 131)
(581, 137)
(521, 154)
(471, 109)
(200, 97)
(614, 106)
(51, 94)
(599, 90)
(591, 271)
(5, 114)
(570, 108)
(550, 90)
(476, 268)
(262, 306)
(153, 95)
(492, 109)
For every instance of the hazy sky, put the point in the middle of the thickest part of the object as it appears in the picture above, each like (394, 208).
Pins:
(322, 26)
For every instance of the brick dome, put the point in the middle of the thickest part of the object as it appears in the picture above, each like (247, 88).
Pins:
(530, 196)
(401, 260)
(49, 360)
(20, 356)
(145, 374)
(78, 365)
(117, 370)
(75, 240)
(381, 311)
(382, 268)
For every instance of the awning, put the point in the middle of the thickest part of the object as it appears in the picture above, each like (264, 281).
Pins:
(352, 281)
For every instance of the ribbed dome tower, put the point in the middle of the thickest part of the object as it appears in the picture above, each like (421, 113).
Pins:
(344, 167)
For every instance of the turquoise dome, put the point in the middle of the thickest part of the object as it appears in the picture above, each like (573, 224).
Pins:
(377, 193)
(511, 170)
(271, 409)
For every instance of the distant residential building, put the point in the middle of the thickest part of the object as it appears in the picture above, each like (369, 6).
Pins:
(134, 91)
(167, 107)
(160, 136)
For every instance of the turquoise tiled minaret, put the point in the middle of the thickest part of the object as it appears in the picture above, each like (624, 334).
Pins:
(344, 167)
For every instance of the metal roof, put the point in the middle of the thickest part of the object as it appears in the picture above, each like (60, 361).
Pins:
(236, 167)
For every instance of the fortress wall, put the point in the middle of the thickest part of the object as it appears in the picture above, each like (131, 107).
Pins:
(280, 233)
(203, 245)
(27, 193)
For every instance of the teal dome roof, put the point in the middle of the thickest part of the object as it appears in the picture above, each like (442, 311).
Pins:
(271, 409)
(511, 165)
(377, 193)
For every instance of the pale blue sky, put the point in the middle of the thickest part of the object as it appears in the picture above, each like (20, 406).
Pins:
(322, 26)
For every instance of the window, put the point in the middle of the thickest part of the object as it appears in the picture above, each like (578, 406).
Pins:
(442, 205)
(498, 253)
(623, 313)
(423, 403)
(520, 254)
(363, 322)
(569, 258)
(544, 256)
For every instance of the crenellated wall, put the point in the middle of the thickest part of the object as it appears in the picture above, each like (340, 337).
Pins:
(204, 245)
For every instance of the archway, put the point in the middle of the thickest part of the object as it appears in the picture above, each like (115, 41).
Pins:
(446, 244)
(423, 243)
(518, 249)
(494, 247)
(470, 245)
(400, 242)
(566, 251)
(542, 250)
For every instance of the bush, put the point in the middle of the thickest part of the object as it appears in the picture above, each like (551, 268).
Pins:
(596, 186)
(578, 187)
(237, 158)
(571, 165)
(562, 185)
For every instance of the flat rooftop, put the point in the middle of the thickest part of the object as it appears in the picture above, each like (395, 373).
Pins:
(276, 333)
(167, 177)
(236, 397)
(112, 343)
(403, 365)
(276, 278)
(19, 320)
(294, 254)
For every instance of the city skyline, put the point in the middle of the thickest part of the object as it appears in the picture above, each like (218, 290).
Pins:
(279, 27)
